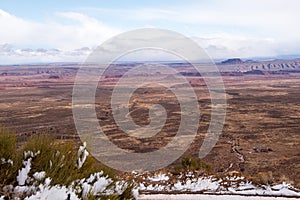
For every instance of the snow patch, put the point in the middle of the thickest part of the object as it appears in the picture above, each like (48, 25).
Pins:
(39, 175)
(9, 161)
(159, 177)
(56, 192)
(206, 197)
(210, 185)
(23, 173)
(82, 155)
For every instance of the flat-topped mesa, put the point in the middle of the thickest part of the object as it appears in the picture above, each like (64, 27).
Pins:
(233, 61)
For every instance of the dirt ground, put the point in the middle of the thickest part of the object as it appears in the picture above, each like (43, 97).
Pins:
(261, 133)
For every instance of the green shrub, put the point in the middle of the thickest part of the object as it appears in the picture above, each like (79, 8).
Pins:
(194, 164)
(263, 178)
(8, 170)
(7, 144)
(57, 158)
(190, 163)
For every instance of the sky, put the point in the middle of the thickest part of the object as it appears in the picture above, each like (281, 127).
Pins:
(34, 31)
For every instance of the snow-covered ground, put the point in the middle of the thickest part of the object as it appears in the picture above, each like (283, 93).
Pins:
(163, 185)
(191, 183)
(207, 197)
(38, 186)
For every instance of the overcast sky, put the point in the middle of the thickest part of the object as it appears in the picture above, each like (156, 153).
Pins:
(51, 31)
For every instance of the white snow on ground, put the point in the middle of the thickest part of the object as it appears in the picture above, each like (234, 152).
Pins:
(196, 185)
(277, 190)
(38, 185)
(23, 173)
(47, 192)
(96, 184)
(82, 155)
(30, 154)
(39, 175)
(159, 177)
(212, 185)
(212, 188)
(206, 197)
(3, 161)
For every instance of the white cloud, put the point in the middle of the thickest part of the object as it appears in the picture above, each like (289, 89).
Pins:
(230, 28)
(227, 45)
(10, 55)
(86, 31)
(224, 29)
(52, 41)
(275, 18)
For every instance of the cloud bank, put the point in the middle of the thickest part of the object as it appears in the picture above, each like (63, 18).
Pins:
(224, 29)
